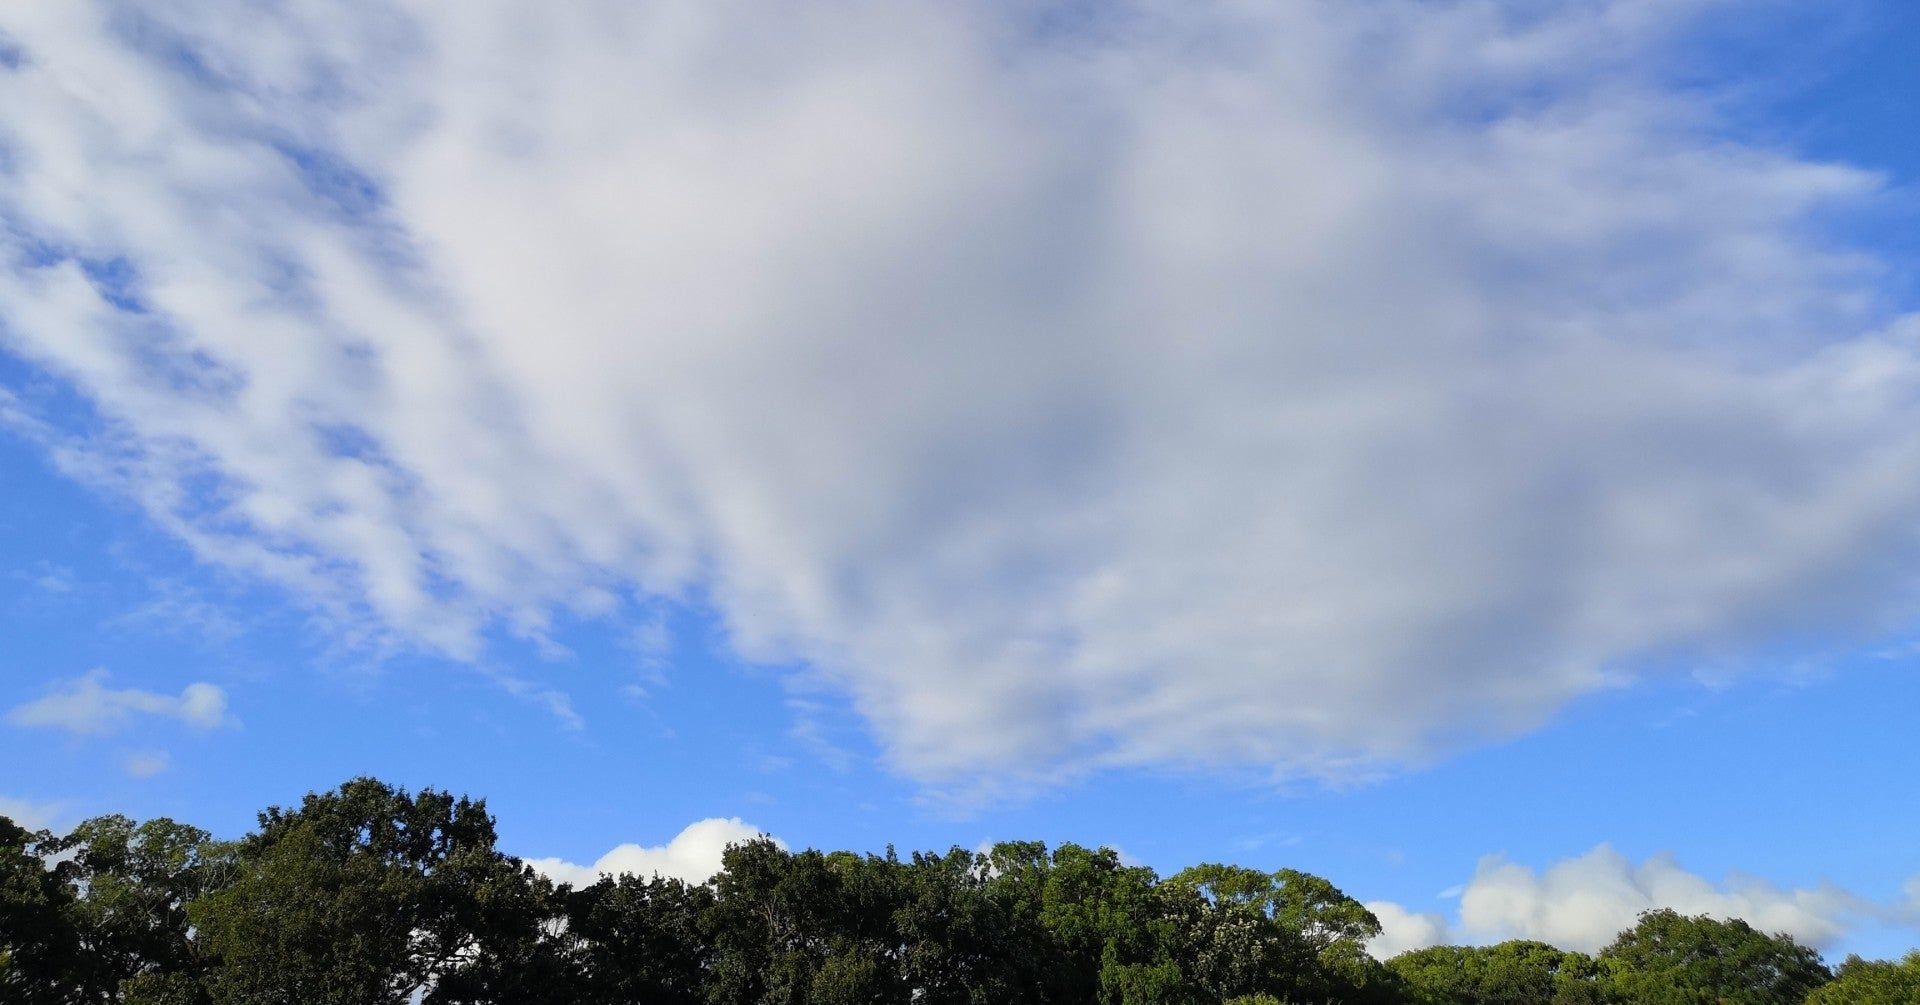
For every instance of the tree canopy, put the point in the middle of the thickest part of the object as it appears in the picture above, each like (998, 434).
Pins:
(371, 895)
(1872, 982)
(1672, 959)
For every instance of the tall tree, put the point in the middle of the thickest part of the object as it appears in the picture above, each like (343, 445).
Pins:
(629, 939)
(1286, 933)
(1118, 933)
(1672, 959)
(136, 881)
(40, 948)
(792, 928)
(365, 896)
(966, 940)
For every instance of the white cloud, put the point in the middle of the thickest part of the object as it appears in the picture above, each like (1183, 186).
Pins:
(147, 763)
(1584, 901)
(87, 706)
(1402, 930)
(693, 855)
(1308, 386)
(30, 814)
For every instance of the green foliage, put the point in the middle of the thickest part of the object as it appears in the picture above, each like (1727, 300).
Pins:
(1510, 973)
(370, 895)
(41, 962)
(633, 940)
(138, 880)
(1288, 934)
(363, 896)
(797, 928)
(967, 937)
(1671, 959)
(1872, 982)
(158, 988)
(1110, 926)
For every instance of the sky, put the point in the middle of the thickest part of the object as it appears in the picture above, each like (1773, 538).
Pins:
(1469, 449)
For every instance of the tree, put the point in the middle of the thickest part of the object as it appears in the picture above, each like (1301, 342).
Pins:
(366, 896)
(40, 948)
(635, 940)
(136, 882)
(967, 938)
(794, 928)
(1287, 933)
(369, 895)
(1236, 950)
(1671, 959)
(1115, 932)
(1872, 982)
(157, 988)
(1510, 973)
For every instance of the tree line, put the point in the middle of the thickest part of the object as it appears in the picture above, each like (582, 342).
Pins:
(371, 895)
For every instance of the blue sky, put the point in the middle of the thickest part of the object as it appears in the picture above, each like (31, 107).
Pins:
(1363, 439)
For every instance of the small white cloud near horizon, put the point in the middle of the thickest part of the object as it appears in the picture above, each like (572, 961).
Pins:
(693, 856)
(86, 706)
(1584, 901)
(31, 814)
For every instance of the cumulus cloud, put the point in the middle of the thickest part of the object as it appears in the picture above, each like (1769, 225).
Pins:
(693, 855)
(1584, 901)
(88, 707)
(1402, 930)
(1311, 386)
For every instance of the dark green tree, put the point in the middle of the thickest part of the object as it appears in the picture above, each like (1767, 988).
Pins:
(967, 939)
(367, 895)
(161, 988)
(41, 958)
(635, 940)
(793, 928)
(1672, 959)
(136, 881)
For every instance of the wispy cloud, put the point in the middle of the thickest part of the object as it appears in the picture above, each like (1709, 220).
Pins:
(1307, 387)
(87, 706)
(175, 608)
(554, 701)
